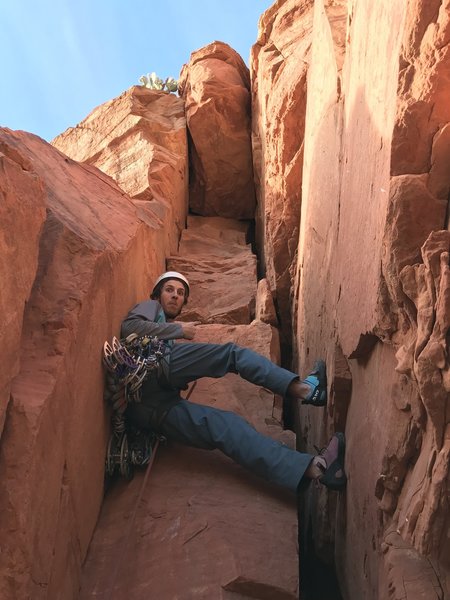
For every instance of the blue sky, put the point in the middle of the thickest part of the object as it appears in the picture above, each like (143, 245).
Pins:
(62, 58)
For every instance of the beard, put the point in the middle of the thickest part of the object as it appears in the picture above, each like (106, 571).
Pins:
(172, 312)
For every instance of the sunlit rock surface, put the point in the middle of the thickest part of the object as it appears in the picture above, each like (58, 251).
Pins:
(215, 85)
(372, 291)
(280, 61)
(139, 139)
(80, 254)
(350, 156)
(222, 271)
(203, 527)
(22, 211)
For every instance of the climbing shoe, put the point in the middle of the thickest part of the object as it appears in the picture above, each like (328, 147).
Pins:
(317, 380)
(331, 461)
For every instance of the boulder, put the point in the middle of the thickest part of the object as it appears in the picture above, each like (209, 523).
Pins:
(139, 139)
(222, 271)
(215, 86)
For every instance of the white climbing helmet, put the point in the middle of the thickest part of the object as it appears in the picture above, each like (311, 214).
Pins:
(172, 275)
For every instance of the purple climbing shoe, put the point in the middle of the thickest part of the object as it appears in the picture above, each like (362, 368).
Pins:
(334, 476)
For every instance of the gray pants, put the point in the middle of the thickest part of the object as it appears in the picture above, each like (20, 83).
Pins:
(211, 428)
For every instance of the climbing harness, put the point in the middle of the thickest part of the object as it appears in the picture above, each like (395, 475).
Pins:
(128, 363)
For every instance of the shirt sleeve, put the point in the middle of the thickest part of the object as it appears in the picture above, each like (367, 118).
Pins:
(143, 320)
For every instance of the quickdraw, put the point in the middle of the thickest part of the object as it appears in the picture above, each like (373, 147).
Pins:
(128, 363)
(131, 360)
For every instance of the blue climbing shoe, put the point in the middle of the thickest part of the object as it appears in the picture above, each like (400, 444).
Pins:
(333, 455)
(317, 380)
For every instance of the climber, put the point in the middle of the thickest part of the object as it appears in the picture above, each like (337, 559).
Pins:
(163, 410)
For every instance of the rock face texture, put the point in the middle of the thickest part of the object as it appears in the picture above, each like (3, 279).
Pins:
(76, 253)
(203, 527)
(350, 142)
(22, 211)
(215, 86)
(139, 139)
(279, 66)
(265, 308)
(371, 290)
(87, 253)
(189, 540)
(208, 248)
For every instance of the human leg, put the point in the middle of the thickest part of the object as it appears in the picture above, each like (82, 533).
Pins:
(192, 361)
(211, 428)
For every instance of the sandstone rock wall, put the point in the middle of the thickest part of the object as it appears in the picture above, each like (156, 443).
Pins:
(279, 66)
(208, 249)
(139, 139)
(351, 151)
(22, 211)
(78, 254)
(204, 527)
(372, 290)
(215, 86)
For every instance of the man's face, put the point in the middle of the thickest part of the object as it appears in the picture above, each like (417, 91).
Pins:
(172, 298)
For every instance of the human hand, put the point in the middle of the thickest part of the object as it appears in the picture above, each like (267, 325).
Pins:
(189, 329)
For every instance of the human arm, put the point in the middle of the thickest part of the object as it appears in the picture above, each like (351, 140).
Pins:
(143, 320)
(188, 329)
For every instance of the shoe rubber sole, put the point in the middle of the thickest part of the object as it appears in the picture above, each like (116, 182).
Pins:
(318, 396)
(329, 479)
